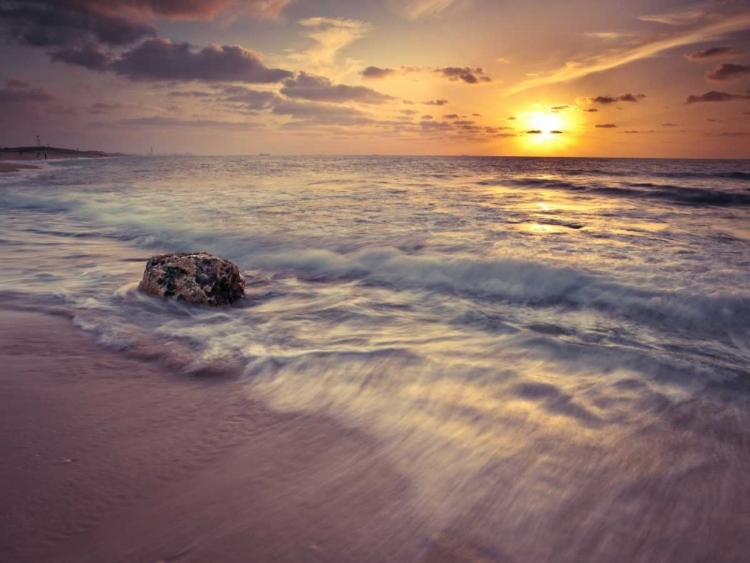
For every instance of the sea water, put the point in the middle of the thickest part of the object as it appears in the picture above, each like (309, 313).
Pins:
(556, 352)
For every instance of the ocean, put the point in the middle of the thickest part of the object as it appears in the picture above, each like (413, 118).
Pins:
(555, 351)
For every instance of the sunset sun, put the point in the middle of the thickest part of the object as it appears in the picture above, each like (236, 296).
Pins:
(547, 123)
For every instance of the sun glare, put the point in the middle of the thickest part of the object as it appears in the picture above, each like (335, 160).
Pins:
(545, 130)
(547, 123)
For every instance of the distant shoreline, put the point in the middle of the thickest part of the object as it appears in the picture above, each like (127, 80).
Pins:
(15, 154)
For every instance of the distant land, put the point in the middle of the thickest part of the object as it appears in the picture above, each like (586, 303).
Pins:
(9, 156)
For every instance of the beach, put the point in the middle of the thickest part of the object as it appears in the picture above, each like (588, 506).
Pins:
(107, 458)
(435, 360)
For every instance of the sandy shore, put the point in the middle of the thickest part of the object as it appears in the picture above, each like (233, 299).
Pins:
(108, 459)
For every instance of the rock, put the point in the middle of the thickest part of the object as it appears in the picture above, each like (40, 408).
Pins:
(195, 278)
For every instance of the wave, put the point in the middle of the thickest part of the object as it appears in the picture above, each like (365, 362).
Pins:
(684, 195)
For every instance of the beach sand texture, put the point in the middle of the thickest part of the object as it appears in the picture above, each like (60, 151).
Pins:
(107, 459)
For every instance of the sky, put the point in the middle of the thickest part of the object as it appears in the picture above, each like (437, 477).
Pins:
(600, 78)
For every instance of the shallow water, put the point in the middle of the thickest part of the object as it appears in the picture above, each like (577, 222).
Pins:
(555, 352)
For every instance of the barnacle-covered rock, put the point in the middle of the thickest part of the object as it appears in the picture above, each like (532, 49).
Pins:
(194, 278)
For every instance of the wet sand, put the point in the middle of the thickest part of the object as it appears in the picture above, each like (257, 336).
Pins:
(108, 459)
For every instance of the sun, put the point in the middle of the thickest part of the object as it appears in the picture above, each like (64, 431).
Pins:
(547, 131)
(546, 123)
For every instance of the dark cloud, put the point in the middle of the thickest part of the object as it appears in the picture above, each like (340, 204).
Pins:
(464, 122)
(668, 125)
(711, 53)
(534, 132)
(103, 107)
(632, 98)
(161, 59)
(90, 56)
(427, 118)
(321, 89)
(15, 84)
(70, 23)
(714, 96)
(637, 132)
(465, 74)
(373, 72)
(21, 95)
(556, 132)
(591, 110)
(606, 126)
(435, 126)
(321, 113)
(436, 103)
(726, 71)
(511, 119)
(408, 112)
(249, 100)
(65, 23)
(190, 94)
(451, 116)
(559, 108)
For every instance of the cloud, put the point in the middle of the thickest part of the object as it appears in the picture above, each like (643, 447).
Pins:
(668, 125)
(161, 121)
(590, 110)
(416, 9)
(90, 56)
(324, 114)
(15, 84)
(534, 132)
(605, 100)
(435, 126)
(711, 53)
(60, 23)
(408, 112)
(321, 89)
(190, 94)
(427, 118)
(726, 71)
(103, 107)
(714, 96)
(161, 59)
(683, 17)
(712, 27)
(559, 108)
(606, 126)
(465, 74)
(330, 36)
(373, 72)
(436, 103)
(607, 35)
(451, 116)
(249, 100)
(15, 94)
(64, 23)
